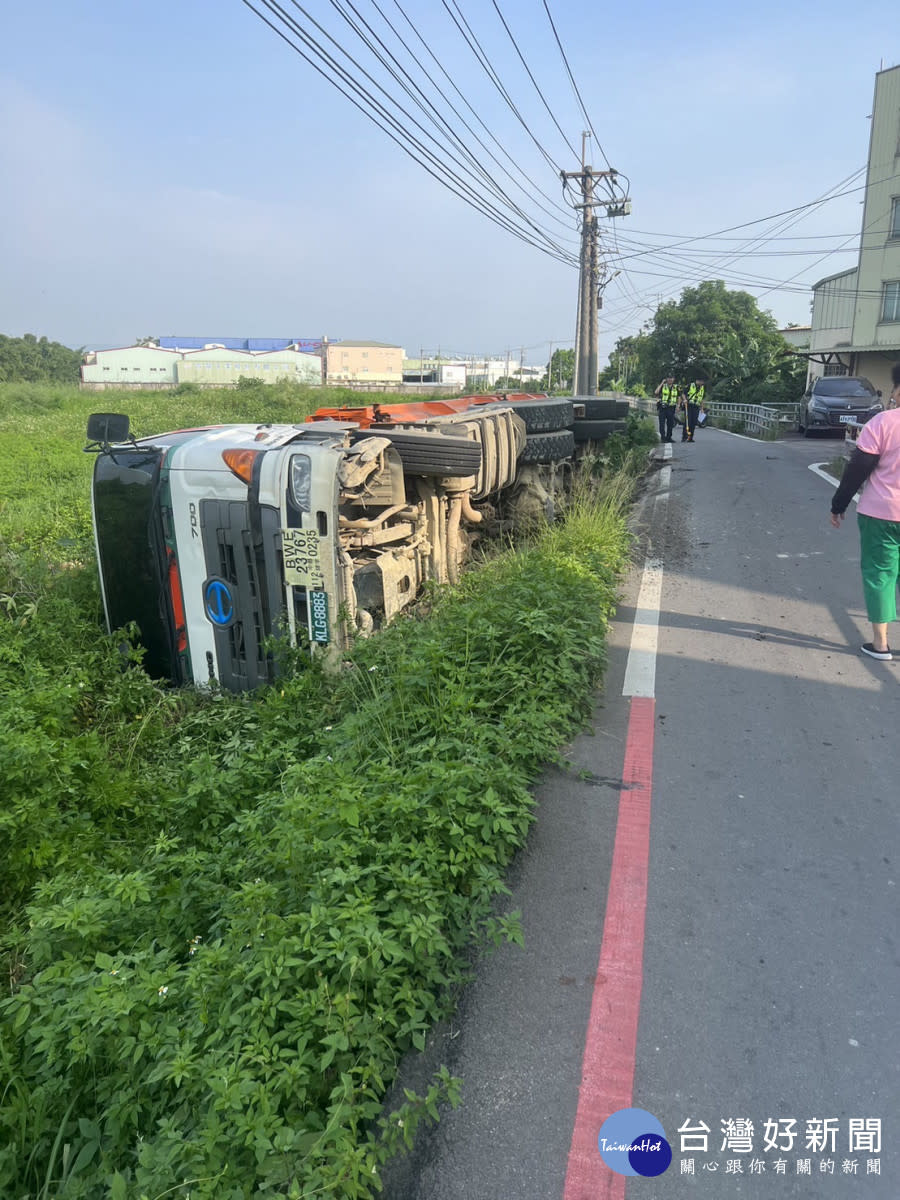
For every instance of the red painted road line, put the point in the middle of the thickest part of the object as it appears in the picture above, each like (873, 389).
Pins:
(607, 1071)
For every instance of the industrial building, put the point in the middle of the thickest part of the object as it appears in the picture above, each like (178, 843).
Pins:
(217, 366)
(213, 365)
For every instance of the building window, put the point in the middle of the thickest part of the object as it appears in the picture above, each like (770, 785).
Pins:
(890, 305)
(895, 218)
(365, 354)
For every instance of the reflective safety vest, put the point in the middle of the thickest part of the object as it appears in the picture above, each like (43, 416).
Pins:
(696, 394)
(669, 395)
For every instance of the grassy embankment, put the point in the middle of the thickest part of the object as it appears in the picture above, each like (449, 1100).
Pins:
(228, 917)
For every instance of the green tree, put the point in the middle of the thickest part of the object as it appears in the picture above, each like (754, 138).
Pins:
(689, 334)
(630, 368)
(716, 334)
(36, 360)
(562, 372)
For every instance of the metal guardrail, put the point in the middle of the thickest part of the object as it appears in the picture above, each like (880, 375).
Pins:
(757, 420)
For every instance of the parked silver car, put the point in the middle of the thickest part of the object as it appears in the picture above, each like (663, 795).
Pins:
(833, 401)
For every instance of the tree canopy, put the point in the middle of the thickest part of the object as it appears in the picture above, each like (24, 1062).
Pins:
(715, 334)
(37, 360)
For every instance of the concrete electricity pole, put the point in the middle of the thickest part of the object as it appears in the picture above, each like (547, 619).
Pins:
(586, 334)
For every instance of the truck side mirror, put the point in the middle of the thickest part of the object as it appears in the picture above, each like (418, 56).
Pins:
(107, 428)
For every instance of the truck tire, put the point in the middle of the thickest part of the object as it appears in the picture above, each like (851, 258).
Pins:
(600, 408)
(544, 416)
(548, 447)
(596, 431)
(434, 453)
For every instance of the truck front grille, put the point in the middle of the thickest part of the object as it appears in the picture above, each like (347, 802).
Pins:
(248, 561)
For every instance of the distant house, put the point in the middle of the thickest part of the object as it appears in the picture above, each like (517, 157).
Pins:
(797, 336)
(442, 372)
(856, 313)
(348, 362)
(484, 372)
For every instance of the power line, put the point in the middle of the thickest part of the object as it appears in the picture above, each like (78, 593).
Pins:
(475, 46)
(389, 123)
(428, 108)
(532, 185)
(575, 85)
(532, 78)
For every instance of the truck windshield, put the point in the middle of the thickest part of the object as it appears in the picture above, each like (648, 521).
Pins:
(131, 551)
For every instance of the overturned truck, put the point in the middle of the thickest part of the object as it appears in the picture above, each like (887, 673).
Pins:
(219, 542)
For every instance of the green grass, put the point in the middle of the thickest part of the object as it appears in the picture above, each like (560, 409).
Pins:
(47, 511)
(229, 916)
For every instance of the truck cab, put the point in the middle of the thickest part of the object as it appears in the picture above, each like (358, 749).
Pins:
(223, 541)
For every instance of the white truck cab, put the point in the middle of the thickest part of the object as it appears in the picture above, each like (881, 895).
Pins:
(224, 541)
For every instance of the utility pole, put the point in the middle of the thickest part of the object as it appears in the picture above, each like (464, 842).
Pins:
(586, 332)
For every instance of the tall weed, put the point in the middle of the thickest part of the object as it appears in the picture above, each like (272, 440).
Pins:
(229, 916)
(228, 1002)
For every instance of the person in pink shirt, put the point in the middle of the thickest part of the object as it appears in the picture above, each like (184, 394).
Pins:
(875, 463)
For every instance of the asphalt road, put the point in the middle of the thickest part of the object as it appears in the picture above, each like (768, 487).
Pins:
(769, 982)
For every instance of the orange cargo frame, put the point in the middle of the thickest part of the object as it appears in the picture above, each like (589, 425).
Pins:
(414, 412)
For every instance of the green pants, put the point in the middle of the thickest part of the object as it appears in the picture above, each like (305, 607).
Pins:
(879, 544)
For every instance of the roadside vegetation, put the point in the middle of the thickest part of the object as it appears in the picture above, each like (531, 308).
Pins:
(227, 917)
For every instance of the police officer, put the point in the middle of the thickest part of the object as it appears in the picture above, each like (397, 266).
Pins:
(667, 395)
(693, 402)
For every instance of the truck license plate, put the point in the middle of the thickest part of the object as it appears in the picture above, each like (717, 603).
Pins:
(318, 617)
(300, 553)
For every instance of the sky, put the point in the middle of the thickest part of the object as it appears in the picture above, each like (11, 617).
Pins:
(180, 169)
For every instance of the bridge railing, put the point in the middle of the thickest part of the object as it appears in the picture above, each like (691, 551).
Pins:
(756, 420)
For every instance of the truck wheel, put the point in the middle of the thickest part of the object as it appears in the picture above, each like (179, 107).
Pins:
(603, 408)
(434, 453)
(544, 416)
(596, 431)
(548, 447)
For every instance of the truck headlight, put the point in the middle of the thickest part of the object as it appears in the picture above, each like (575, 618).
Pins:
(301, 472)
